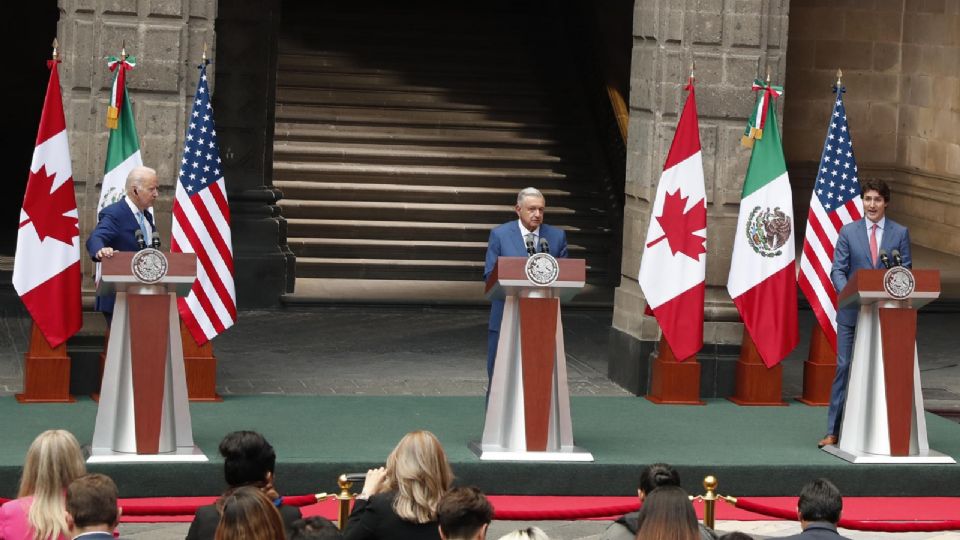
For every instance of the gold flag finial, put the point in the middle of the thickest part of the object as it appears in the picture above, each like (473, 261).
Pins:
(693, 67)
(839, 76)
(123, 49)
(56, 44)
(768, 75)
(204, 55)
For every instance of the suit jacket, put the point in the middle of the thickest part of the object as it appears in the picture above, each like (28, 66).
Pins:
(852, 253)
(206, 519)
(13, 520)
(97, 536)
(506, 241)
(116, 228)
(819, 530)
(374, 519)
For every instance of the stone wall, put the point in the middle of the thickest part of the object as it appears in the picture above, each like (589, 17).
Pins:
(166, 37)
(731, 46)
(901, 67)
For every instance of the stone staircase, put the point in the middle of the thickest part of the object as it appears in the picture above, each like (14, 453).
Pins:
(404, 131)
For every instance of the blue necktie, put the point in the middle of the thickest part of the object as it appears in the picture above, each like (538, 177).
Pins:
(143, 227)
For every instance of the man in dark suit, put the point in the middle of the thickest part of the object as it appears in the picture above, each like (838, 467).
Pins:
(464, 513)
(819, 510)
(512, 240)
(91, 504)
(117, 224)
(858, 246)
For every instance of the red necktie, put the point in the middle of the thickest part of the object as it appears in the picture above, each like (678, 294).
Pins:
(873, 245)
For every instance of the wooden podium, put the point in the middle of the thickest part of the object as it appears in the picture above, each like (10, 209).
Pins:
(528, 413)
(883, 417)
(144, 414)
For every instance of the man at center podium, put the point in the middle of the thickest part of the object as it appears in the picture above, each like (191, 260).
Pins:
(118, 223)
(521, 238)
(859, 246)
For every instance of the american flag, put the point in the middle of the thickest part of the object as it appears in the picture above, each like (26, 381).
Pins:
(835, 202)
(201, 224)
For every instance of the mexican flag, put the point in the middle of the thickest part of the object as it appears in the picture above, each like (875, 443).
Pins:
(46, 270)
(674, 263)
(762, 281)
(123, 148)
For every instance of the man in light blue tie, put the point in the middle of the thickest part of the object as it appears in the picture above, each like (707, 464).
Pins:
(117, 223)
(858, 246)
(519, 238)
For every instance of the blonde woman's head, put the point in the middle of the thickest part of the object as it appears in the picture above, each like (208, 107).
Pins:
(530, 533)
(417, 470)
(53, 461)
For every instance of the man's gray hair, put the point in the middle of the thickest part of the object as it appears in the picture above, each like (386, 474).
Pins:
(529, 192)
(137, 177)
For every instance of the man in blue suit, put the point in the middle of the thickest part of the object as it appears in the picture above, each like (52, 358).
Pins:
(858, 246)
(117, 224)
(512, 240)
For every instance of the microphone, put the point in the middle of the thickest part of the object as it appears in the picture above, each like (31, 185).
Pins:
(138, 234)
(884, 258)
(544, 246)
(530, 248)
(155, 242)
(897, 260)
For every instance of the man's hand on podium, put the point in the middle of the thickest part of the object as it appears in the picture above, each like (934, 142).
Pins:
(105, 252)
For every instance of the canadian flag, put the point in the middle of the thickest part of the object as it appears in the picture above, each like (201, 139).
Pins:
(674, 264)
(46, 271)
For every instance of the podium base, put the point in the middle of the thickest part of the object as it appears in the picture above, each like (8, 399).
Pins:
(184, 454)
(930, 456)
(570, 453)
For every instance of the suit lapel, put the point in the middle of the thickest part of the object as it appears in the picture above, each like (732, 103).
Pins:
(517, 239)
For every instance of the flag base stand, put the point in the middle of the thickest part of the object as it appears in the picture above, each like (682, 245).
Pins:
(756, 384)
(819, 370)
(673, 382)
(46, 372)
(201, 368)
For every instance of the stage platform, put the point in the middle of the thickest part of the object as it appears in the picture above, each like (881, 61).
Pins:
(754, 451)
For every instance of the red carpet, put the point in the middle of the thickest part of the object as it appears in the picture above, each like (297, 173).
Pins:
(548, 507)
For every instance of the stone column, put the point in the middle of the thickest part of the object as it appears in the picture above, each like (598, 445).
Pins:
(731, 46)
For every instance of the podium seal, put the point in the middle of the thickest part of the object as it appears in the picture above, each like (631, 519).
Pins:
(149, 265)
(899, 282)
(542, 269)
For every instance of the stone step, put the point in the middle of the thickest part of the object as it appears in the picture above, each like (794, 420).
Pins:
(355, 191)
(416, 100)
(325, 291)
(420, 175)
(467, 83)
(431, 212)
(410, 66)
(365, 248)
(290, 112)
(419, 135)
(462, 156)
(315, 267)
(418, 230)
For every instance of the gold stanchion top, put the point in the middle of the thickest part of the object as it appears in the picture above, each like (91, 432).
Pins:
(839, 76)
(710, 483)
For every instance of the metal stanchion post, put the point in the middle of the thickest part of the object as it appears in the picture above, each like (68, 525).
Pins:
(709, 501)
(343, 501)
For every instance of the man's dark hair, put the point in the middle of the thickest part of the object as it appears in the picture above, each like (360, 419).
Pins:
(820, 501)
(878, 185)
(736, 535)
(92, 500)
(463, 511)
(658, 475)
(314, 528)
(247, 458)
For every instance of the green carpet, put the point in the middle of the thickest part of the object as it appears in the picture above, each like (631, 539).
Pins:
(758, 451)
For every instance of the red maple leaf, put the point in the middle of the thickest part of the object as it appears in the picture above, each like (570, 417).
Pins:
(678, 226)
(46, 210)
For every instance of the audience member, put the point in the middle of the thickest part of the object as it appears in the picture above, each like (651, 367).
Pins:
(464, 514)
(399, 501)
(651, 477)
(314, 528)
(248, 460)
(530, 533)
(819, 510)
(53, 461)
(92, 511)
(736, 535)
(667, 514)
(246, 513)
